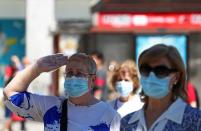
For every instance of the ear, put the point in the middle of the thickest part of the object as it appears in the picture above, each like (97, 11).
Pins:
(176, 77)
(93, 78)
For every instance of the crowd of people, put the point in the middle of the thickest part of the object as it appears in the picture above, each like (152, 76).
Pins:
(149, 96)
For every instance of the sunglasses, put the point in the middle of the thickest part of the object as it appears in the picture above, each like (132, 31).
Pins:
(160, 71)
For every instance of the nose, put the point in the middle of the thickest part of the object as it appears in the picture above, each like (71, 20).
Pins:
(151, 73)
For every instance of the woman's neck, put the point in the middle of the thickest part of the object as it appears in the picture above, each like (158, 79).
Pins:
(159, 104)
(84, 100)
(125, 99)
(155, 108)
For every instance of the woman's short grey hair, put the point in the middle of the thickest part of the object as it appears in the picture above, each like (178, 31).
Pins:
(88, 60)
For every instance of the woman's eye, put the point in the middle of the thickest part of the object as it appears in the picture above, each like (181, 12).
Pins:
(79, 74)
(70, 73)
(119, 80)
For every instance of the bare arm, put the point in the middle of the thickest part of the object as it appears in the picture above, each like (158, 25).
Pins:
(23, 78)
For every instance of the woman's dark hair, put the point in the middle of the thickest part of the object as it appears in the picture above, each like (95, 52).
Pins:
(171, 53)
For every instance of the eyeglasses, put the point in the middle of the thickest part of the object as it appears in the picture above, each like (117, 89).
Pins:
(76, 74)
(160, 71)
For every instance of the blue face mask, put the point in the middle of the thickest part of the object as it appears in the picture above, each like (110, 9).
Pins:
(124, 88)
(155, 87)
(76, 86)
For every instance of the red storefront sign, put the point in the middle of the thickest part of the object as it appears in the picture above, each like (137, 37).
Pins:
(131, 20)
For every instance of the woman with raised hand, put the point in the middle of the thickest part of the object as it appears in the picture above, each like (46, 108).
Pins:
(79, 111)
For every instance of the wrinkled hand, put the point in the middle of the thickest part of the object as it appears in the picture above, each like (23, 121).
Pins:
(51, 62)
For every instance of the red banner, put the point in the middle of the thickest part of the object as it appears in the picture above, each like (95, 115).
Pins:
(131, 20)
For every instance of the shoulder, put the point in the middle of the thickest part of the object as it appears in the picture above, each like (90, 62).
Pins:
(112, 102)
(126, 118)
(130, 121)
(109, 112)
(27, 97)
(109, 108)
(191, 121)
(192, 118)
(192, 113)
(130, 118)
(47, 100)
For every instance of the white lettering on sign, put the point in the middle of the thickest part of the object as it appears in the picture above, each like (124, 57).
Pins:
(170, 20)
(140, 20)
(196, 19)
(117, 20)
(156, 19)
(132, 20)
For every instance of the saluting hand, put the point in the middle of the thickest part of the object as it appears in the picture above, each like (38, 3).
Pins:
(51, 62)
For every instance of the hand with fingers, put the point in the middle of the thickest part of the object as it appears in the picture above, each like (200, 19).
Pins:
(51, 62)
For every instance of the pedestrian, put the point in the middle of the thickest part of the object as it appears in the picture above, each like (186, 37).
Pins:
(126, 82)
(100, 90)
(163, 80)
(10, 72)
(112, 94)
(80, 111)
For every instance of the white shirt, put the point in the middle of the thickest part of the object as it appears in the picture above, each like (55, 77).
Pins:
(99, 116)
(125, 108)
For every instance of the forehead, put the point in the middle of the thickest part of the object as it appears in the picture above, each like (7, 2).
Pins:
(77, 64)
(124, 73)
(161, 61)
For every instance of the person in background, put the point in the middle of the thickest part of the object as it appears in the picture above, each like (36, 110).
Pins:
(80, 111)
(17, 63)
(126, 82)
(100, 90)
(112, 67)
(18, 66)
(10, 72)
(163, 80)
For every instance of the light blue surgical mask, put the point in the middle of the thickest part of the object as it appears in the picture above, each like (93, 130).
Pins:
(76, 86)
(155, 87)
(124, 88)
